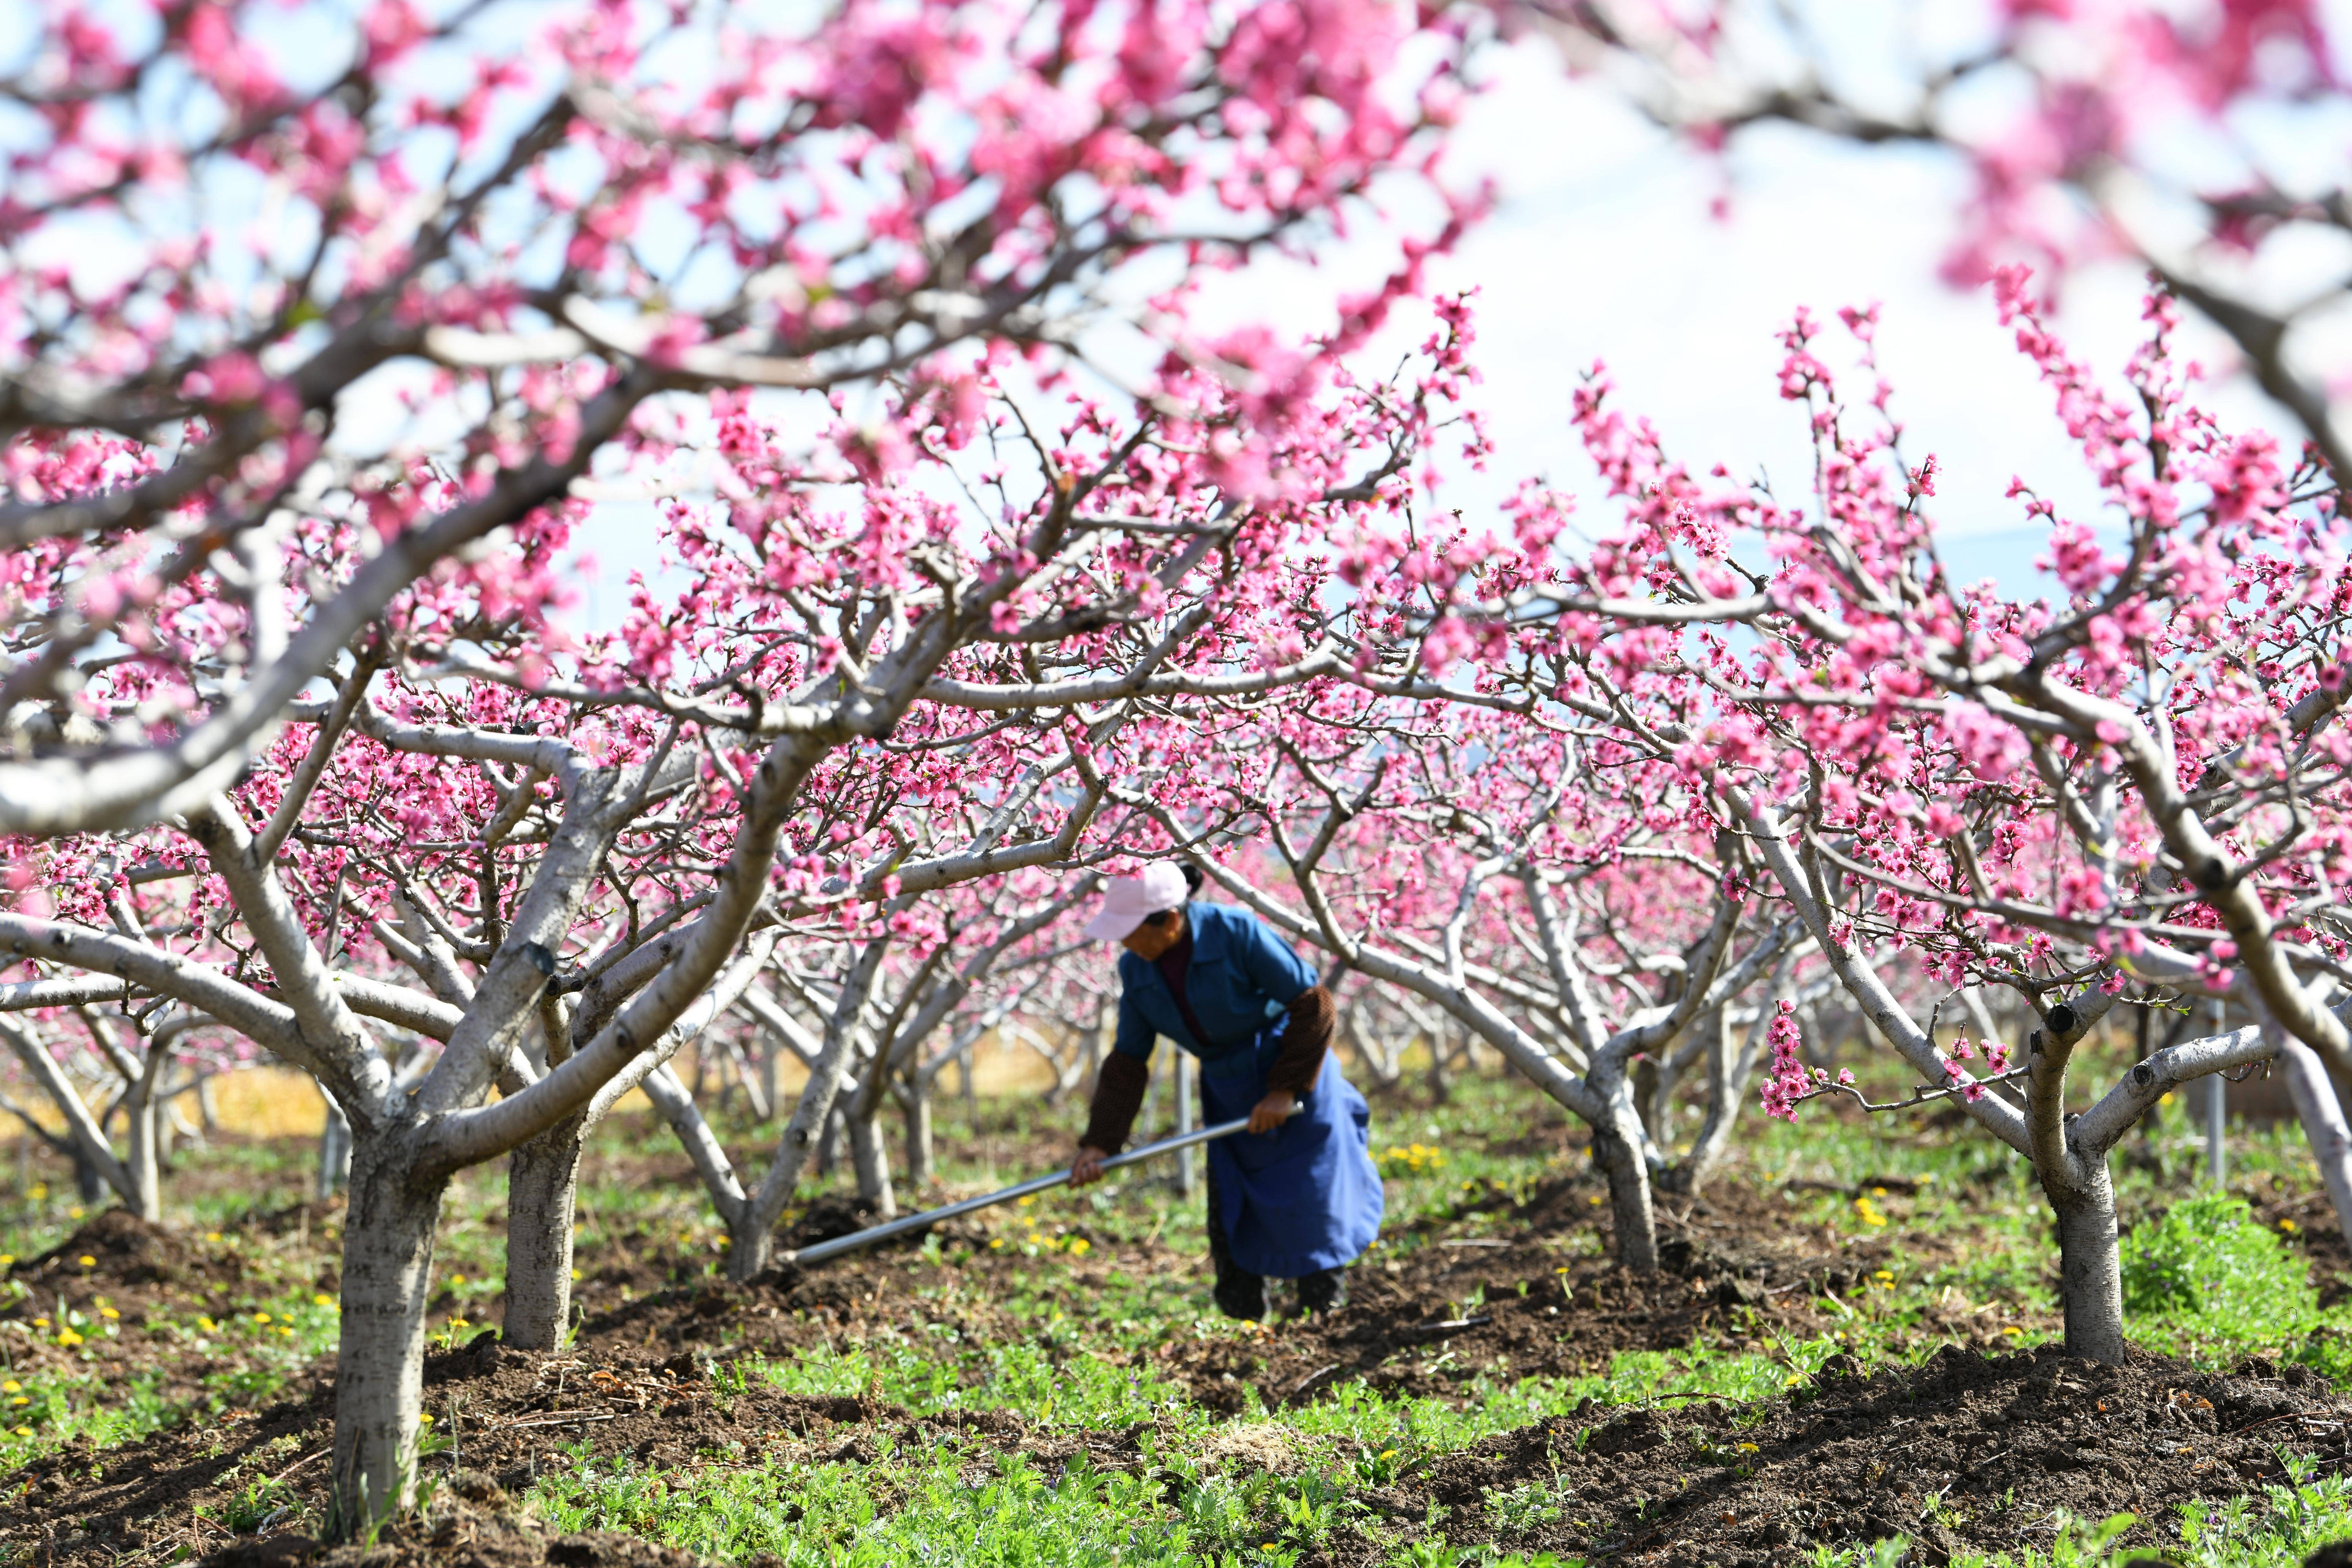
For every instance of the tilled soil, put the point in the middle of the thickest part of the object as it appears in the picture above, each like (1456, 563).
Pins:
(1967, 1449)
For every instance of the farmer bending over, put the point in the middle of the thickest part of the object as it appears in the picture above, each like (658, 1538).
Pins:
(1297, 1196)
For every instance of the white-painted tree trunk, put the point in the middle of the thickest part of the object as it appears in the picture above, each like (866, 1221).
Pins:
(542, 1190)
(921, 1166)
(869, 1154)
(142, 1140)
(2090, 1268)
(751, 1245)
(2070, 1157)
(380, 1354)
(1617, 1150)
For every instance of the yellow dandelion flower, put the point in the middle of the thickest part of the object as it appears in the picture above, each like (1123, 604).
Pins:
(23, 1431)
(87, 1261)
(108, 1312)
(12, 1387)
(261, 1317)
(68, 1338)
(322, 1300)
(206, 1324)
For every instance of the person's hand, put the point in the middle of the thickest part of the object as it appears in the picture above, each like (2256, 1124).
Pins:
(1087, 1167)
(1273, 1111)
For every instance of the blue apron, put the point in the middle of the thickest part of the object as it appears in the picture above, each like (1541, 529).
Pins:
(1306, 1196)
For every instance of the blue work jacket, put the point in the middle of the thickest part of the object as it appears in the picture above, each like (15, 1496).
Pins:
(1306, 1196)
(1243, 978)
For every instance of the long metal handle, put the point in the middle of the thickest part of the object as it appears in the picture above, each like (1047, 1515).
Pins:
(855, 1240)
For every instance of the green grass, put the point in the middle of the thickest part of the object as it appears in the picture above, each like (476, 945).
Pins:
(2207, 1279)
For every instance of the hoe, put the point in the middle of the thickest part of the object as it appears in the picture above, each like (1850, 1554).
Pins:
(855, 1240)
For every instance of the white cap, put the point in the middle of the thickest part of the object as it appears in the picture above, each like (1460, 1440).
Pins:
(1130, 899)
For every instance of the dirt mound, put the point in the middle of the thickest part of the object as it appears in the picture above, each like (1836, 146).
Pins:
(115, 1249)
(1968, 1449)
(830, 1217)
(124, 1273)
(137, 1266)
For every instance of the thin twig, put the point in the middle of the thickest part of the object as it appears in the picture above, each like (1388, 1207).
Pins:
(1920, 1096)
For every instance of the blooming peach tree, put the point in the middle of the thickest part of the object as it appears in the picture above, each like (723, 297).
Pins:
(2127, 792)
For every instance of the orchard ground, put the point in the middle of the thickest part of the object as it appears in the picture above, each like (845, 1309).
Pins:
(1851, 1356)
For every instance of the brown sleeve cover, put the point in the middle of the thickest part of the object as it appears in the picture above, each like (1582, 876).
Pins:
(1119, 1095)
(1313, 1018)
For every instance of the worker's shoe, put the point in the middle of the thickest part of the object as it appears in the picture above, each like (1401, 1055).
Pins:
(1324, 1290)
(1241, 1295)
